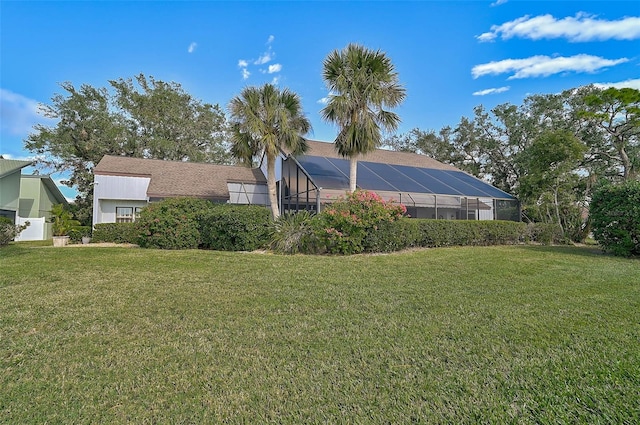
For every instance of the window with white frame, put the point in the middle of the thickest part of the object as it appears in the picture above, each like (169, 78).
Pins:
(127, 214)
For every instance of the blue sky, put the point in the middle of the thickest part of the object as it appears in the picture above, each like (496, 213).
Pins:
(449, 55)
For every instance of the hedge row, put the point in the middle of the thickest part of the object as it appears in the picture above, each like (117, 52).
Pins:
(185, 223)
(116, 233)
(407, 233)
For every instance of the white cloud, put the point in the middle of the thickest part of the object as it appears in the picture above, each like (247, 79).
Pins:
(543, 66)
(582, 27)
(243, 63)
(18, 113)
(491, 91)
(276, 67)
(245, 73)
(324, 100)
(631, 83)
(192, 47)
(266, 57)
(498, 3)
(270, 39)
(275, 81)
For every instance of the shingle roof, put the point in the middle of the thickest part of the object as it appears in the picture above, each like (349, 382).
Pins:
(325, 149)
(8, 166)
(176, 178)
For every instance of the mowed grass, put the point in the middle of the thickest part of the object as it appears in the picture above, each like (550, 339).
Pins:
(520, 334)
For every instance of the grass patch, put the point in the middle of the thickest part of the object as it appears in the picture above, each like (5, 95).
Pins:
(522, 334)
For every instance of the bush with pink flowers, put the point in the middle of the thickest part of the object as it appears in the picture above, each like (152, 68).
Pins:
(343, 226)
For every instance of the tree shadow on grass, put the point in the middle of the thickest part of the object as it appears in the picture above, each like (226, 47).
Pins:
(581, 250)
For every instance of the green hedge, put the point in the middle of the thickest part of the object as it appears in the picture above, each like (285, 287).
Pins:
(116, 233)
(172, 223)
(78, 232)
(236, 228)
(615, 218)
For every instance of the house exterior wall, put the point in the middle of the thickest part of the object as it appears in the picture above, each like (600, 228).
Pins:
(107, 209)
(110, 192)
(10, 193)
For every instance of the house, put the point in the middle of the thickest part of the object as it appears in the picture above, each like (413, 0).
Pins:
(28, 198)
(428, 188)
(122, 185)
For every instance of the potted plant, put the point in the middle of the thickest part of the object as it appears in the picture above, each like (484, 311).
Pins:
(62, 222)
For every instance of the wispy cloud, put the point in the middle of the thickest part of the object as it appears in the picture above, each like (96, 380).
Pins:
(18, 113)
(498, 3)
(265, 58)
(543, 66)
(192, 47)
(324, 100)
(491, 91)
(276, 67)
(580, 28)
(631, 84)
(275, 81)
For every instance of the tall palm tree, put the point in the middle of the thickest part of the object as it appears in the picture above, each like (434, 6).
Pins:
(267, 119)
(362, 82)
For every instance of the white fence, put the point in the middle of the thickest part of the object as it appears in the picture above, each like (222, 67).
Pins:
(36, 230)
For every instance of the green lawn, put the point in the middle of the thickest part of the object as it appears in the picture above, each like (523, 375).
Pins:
(522, 334)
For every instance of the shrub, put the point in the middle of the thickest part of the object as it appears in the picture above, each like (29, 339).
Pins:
(236, 227)
(435, 233)
(116, 233)
(172, 223)
(545, 233)
(343, 226)
(293, 233)
(9, 231)
(393, 236)
(78, 232)
(615, 218)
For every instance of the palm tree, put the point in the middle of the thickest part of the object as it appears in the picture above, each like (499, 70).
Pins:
(267, 119)
(361, 82)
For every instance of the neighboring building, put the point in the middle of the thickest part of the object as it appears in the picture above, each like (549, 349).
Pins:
(429, 189)
(38, 194)
(122, 185)
(28, 198)
(10, 174)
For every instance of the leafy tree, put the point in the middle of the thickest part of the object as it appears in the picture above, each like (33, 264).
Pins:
(547, 186)
(265, 120)
(617, 113)
(362, 82)
(615, 212)
(159, 121)
(439, 146)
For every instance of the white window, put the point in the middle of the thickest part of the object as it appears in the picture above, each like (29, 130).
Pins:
(127, 214)
(124, 214)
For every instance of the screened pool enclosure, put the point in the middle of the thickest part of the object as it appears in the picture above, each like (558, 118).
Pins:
(309, 182)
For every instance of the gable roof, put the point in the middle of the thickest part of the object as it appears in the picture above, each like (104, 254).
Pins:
(8, 166)
(177, 178)
(382, 156)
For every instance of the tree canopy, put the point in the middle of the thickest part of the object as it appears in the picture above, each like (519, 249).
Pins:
(141, 117)
(265, 120)
(362, 83)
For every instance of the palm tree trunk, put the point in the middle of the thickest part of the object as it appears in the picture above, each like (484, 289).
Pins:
(353, 169)
(271, 186)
